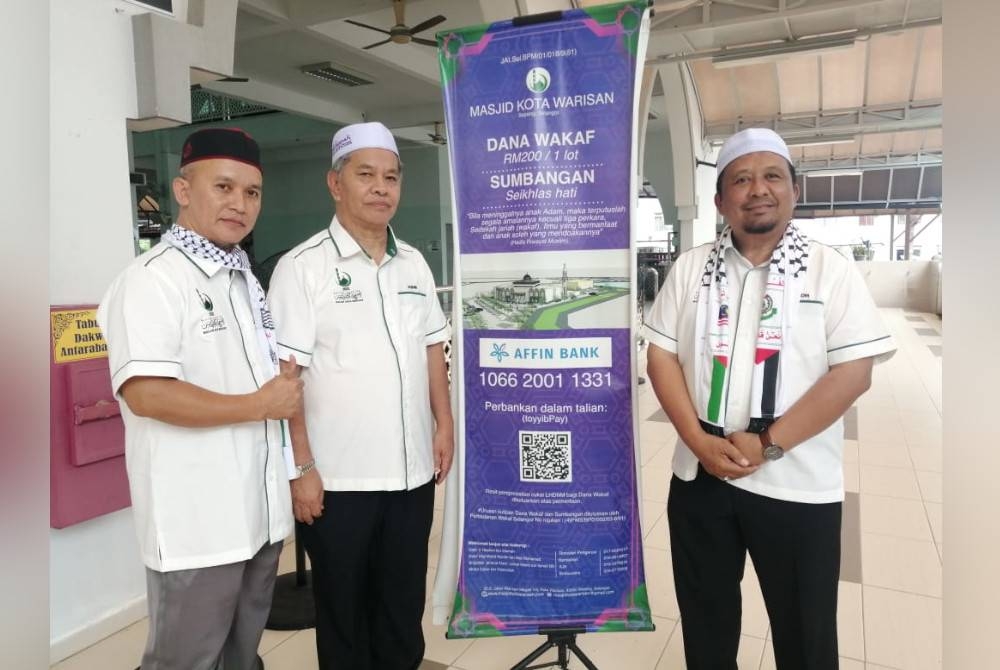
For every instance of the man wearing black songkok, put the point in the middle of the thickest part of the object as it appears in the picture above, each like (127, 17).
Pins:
(193, 358)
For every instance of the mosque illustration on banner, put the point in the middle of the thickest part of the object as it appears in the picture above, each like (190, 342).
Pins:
(544, 298)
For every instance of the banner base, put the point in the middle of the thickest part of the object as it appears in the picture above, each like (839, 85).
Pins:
(565, 643)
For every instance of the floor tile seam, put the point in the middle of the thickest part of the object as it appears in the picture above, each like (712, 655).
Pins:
(903, 537)
(851, 658)
(879, 495)
(283, 642)
(763, 654)
(670, 637)
(923, 384)
(864, 628)
(894, 497)
(903, 468)
(902, 590)
(940, 599)
(900, 468)
(937, 548)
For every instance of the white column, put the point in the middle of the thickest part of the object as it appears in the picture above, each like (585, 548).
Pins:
(694, 188)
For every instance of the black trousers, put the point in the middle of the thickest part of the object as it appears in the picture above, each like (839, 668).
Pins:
(795, 549)
(369, 567)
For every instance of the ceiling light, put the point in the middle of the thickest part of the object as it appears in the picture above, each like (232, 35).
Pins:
(822, 172)
(739, 57)
(336, 74)
(817, 140)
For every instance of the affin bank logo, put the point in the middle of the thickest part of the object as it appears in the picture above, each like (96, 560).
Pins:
(499, 352)
(538, 80)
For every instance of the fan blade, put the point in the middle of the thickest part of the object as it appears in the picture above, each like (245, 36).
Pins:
(365, 25)
(235, 79)
(421, 40)
(370, 46)
(429, 23)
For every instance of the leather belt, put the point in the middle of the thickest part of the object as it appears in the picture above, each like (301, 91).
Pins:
(756, 425)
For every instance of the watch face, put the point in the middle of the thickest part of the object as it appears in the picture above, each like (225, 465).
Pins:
(773, 452)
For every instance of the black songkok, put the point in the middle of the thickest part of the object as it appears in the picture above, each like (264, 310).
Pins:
(231, 143)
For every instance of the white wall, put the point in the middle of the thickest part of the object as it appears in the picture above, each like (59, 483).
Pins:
(971, 393)
(95, 572)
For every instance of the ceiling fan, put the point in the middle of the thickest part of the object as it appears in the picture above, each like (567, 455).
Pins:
(436, 136)
(400, 33)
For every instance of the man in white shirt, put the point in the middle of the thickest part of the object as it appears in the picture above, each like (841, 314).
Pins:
(358, 315)
(759, 343)
(192, 355)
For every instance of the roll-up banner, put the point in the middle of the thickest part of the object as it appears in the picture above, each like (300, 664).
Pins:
(541, 117)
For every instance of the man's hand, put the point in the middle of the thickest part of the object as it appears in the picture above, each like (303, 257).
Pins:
(720, 458)
(307, 497)
(749, 445)
(444, 452)
(281, 397)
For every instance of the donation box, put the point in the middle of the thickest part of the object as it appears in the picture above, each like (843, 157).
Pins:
(87, 469)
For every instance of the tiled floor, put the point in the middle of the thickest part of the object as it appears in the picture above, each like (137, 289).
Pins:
(890, 595)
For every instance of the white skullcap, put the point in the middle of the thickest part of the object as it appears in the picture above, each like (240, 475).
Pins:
(750, 141)
(372, 135)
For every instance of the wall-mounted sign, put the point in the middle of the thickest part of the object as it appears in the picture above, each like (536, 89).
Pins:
(76, 335)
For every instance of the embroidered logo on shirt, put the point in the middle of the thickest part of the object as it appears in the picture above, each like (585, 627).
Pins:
(205, 301)
(212, 323)
(346, 293)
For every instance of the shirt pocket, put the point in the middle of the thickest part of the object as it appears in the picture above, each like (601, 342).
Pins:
(413, 309)
(808, 342)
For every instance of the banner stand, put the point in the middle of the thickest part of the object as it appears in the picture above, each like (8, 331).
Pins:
(564, 640)
(544, 528)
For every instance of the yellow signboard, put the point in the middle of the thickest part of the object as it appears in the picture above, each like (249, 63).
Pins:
(76, 336)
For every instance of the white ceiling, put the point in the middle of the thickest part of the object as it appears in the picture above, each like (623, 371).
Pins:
(884, 91)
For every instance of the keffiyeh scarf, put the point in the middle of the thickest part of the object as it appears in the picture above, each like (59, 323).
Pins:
(235, 259)
(713, 344)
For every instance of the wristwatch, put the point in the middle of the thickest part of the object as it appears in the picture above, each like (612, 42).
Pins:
(305, 467)
(771, 451)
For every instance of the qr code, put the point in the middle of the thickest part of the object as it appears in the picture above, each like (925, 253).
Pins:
(545, 456)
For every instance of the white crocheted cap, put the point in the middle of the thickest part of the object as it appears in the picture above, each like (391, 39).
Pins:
(749, 141)
(371, 135)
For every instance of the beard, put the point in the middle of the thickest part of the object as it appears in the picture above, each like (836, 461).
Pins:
(760, 228)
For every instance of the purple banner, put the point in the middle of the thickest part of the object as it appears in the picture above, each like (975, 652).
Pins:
(540, 123)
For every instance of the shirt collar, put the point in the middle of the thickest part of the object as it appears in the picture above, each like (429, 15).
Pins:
(347, 246)
(206, 265)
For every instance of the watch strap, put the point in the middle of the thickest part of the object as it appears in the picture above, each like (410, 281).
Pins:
(765, 438)
(305, 467)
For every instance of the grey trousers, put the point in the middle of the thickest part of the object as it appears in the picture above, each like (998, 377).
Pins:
(209, 618)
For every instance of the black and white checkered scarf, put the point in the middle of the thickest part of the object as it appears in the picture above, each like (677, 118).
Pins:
(194, 244)
(786, 273)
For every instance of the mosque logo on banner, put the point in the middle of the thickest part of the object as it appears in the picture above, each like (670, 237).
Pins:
(538, 80)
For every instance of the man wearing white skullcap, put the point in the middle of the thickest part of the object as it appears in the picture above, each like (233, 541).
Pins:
(759, 343)
(357, 315)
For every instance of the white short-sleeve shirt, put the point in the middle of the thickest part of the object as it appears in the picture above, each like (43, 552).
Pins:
(837, 322)
(361, 331)
(201, 496)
